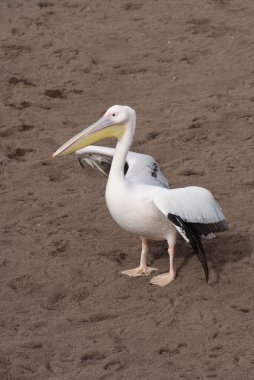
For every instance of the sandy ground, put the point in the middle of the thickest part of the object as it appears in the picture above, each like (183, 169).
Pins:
(65, 311)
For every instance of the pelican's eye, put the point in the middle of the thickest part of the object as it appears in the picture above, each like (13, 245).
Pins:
(113, 114)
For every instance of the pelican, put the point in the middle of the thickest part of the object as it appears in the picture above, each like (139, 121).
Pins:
(138, 195)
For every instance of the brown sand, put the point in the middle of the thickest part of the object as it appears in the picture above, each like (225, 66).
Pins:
(187, 68)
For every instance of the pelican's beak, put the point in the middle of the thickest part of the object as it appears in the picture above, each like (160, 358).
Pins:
(101, 129)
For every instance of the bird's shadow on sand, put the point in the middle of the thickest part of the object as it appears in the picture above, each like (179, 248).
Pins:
(223, 250)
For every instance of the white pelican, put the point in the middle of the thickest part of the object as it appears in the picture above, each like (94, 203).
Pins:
(140, 200)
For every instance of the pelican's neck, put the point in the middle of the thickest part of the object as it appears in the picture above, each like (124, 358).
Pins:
(122, 148)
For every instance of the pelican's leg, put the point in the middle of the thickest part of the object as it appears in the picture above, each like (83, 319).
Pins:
(166, 278)
(143, 269)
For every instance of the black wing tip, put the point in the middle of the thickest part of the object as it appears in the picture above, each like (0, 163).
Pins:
(101, 161)
(207, 276)
(208, 228)
(81, 162)
(200, 253)
(225, 225)
(126, 168)
(194, 240)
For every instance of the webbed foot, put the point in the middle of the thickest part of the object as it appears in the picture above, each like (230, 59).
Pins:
(139, 271)
(163, 279)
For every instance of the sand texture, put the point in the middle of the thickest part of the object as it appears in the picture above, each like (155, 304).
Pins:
(187, 67)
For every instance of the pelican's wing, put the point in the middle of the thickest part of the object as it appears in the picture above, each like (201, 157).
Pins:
(194, 212)
(139, 168)
(98, 158)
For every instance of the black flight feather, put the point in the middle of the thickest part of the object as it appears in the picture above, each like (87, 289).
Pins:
(100, 161)
(194, 237)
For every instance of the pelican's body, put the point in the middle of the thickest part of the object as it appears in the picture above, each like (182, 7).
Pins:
(126, 198)
(138, 196)
(131, 206)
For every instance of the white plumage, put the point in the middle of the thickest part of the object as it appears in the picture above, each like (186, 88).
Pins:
(193, 204)
(138, 195)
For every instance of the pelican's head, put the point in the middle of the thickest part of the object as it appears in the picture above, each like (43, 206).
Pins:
(114, 123)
